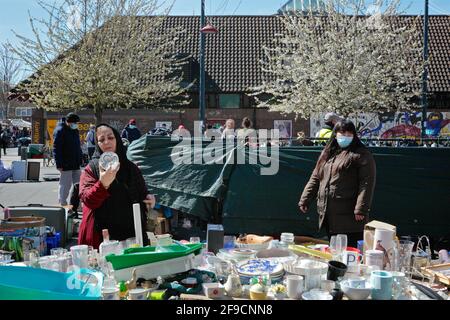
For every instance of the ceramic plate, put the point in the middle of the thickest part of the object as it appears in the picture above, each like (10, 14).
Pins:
(309, 296)
(255, 267)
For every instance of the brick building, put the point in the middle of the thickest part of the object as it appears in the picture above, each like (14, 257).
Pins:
(233, 68)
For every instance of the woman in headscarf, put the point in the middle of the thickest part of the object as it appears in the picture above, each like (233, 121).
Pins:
(108, 194)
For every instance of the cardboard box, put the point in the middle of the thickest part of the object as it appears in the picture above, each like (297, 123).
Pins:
(162, 226)
(369, 232)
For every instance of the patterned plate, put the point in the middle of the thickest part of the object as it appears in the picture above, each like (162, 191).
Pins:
(256, 267)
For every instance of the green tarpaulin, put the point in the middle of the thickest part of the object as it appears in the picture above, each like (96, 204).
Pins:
(412, 190)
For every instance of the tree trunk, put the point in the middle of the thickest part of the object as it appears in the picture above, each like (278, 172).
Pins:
(98, 115)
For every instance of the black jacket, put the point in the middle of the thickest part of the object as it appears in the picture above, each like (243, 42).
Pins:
(67, 148)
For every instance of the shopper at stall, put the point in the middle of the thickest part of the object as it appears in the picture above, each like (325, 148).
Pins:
(343, 182)
(228, 132)
(131, 131)
(90, 141)
(108, 195)
(68, 155)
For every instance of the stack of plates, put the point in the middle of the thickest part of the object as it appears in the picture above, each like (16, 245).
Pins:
(257, 267)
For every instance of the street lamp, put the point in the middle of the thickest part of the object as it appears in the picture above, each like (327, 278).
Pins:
(205, 29)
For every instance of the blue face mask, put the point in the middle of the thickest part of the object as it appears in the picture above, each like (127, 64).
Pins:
(73, 126)
(344, 141)
(132, 126)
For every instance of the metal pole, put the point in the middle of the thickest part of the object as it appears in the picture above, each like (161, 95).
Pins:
(202, 66)
(425, 73)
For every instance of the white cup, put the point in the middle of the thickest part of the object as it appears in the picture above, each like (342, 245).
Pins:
(374, 258)
(138, 294)
(294, 286)
(352, 258)
(80, 256)
(111, 294)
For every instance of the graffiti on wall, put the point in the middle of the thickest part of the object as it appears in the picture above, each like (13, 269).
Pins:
(402, 125)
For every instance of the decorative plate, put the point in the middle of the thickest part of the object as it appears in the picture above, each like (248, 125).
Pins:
(256, 267)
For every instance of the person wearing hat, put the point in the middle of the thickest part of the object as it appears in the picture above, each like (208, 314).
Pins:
(131, 132)
(68, 155)
(330, 119)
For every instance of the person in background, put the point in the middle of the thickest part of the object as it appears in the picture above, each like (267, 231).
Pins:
(4, 140)
(131, 132)
(228, 132)
(330, 120)
(90, 140)
(68, 155)
(247, 135)
(107, 195)
(343, 182)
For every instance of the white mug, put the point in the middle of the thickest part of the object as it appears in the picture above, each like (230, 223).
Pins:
(111, 294)
(138, 294)
(374, 258)
(352, 258)
(294, 286)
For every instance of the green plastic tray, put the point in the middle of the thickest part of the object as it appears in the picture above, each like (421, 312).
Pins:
(139, 256)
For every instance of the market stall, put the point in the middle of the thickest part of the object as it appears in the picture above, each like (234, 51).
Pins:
(255, 267)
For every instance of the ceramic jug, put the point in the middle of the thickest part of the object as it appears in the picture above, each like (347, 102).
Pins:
(233, 286)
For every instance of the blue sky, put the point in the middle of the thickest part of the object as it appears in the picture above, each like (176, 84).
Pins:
(14, 13)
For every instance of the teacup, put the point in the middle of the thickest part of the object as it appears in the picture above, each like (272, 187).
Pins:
(138, 294)
(111, 294)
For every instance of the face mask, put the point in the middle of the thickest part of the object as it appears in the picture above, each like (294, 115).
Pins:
(344, 141)
(73, 126)
(132, 126)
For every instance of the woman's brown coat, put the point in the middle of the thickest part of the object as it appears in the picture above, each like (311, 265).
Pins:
(344, 188)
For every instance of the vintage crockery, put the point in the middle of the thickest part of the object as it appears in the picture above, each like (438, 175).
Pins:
(233, 286)
(358, 282)
(381, 282)
(138, 294)
(213, 290)
(356, 290)
(352, 257)
(111, 294)
(294, 286)
(317, 294)
(384, 241)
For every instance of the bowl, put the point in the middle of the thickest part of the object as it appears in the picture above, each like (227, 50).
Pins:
(306, 267)
(317, 294)
(353, 293)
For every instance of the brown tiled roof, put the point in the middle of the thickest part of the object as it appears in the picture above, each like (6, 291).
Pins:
(233, 55)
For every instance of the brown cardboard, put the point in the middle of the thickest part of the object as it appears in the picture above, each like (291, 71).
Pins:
(369, 232)
(162, 226)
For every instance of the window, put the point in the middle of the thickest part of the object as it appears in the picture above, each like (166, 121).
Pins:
(230, 101)
(24, 112)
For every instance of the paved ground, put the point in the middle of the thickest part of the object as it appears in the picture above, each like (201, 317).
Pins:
(23, 193)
